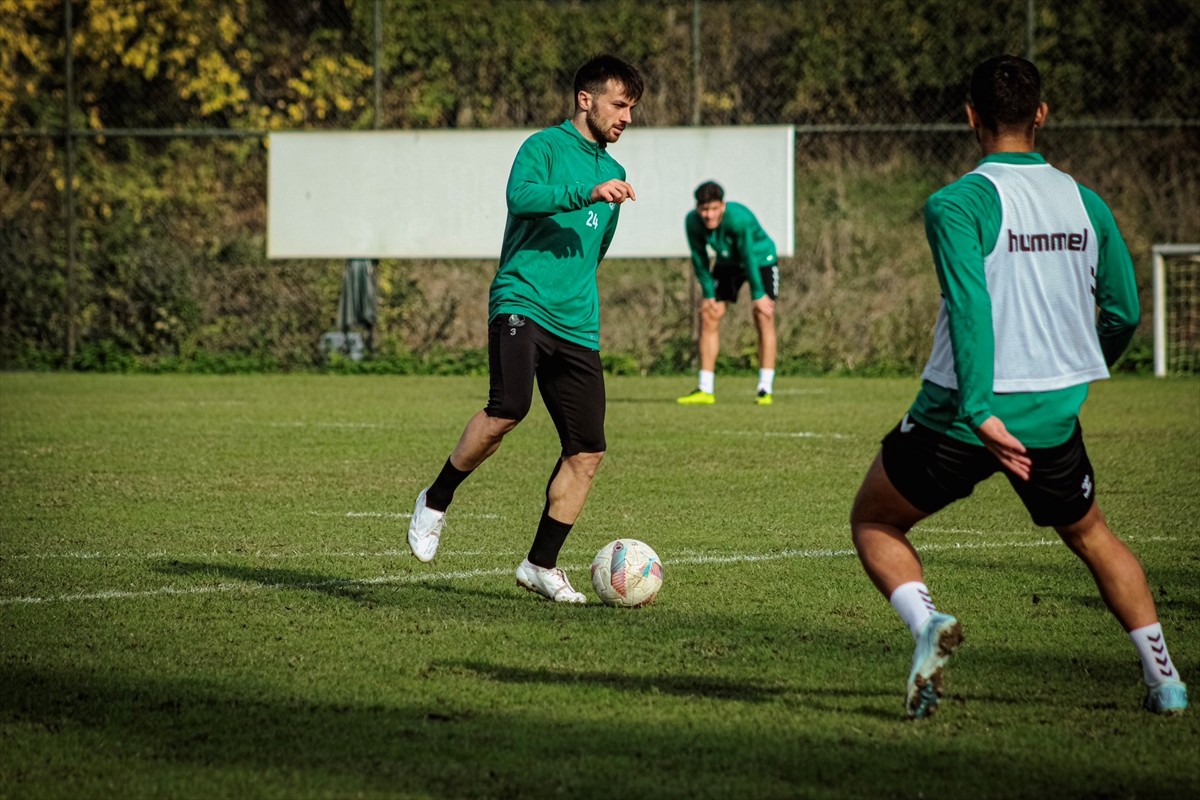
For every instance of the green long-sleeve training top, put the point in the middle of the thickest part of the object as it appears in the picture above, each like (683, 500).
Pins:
(556, 236)
(738, 241)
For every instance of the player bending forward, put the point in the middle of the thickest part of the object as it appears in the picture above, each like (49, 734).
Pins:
(1023, 256)
(744, 253)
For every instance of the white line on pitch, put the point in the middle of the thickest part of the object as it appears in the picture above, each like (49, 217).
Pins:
(970, 531)
(365, 425)
(254, 587)
(392, 514)
(476, 573)
(786, 434)
(115, 555)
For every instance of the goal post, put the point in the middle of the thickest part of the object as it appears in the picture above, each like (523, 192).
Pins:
(1176, 308)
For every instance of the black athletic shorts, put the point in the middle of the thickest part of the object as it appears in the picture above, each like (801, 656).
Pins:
(730, 279)
(932, 470)
(569, 377)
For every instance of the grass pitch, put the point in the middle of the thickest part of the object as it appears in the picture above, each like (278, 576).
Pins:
(205, 591)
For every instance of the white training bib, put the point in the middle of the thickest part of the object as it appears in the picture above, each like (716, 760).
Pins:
(1042, 282)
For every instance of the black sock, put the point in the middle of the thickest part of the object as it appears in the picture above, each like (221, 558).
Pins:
(548, 541)
(441, 493)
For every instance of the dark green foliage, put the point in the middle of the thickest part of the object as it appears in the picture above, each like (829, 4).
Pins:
(170, 269)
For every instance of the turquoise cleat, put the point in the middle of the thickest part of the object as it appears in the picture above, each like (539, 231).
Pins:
(940, 636)
(1168, 698)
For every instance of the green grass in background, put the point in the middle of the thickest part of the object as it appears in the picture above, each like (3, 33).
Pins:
(205, 591)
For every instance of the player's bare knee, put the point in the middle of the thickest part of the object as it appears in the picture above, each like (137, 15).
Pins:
(858, 515)
(864, 521)
(506, 425)
(499, 425)
(866, 511)
(503, 417)
(878, 503)
(584, 464)
(1078, 535)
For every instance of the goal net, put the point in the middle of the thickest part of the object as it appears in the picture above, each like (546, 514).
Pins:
(1176, 309)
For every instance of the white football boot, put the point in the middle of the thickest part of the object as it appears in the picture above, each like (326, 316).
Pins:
(551, 584)
(425, 529)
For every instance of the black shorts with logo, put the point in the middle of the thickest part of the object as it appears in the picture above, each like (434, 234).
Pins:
(569, 377)
(932, 470)
(729, 280)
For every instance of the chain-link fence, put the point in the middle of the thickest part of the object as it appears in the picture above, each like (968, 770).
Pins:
(133, 138)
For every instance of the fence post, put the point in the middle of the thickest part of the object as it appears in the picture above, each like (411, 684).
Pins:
(1030, 24)
(697, 88)
(378, 64)
(69, 137)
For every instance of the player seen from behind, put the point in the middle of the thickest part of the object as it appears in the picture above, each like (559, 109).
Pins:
(1023, 255)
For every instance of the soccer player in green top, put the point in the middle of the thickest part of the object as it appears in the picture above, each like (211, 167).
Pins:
(1024, 255)
(564, 197)
(744, 254)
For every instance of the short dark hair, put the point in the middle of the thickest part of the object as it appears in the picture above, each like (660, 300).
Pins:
(709, 192)
(1006, 92)
(593, 77)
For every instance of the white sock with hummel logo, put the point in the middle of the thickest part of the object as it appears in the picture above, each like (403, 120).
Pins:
(914, 605)
(1152, 649)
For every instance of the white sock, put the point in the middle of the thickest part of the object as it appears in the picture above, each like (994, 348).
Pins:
(914, 605)
(766, 379)
(1152, 649)
(708, 380)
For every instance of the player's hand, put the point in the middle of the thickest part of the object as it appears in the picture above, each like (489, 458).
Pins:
(765, 306)
(614, 191)
(1005, 447)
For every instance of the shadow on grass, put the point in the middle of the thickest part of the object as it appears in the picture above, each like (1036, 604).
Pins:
(272, 578)
(834, 699)
(81, 732)
(348, 588)
(684, 685)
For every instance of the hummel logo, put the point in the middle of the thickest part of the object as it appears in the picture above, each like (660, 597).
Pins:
(927, 600)
(515, 320)
(1086, 486)
(1164, 664)
(906, 425)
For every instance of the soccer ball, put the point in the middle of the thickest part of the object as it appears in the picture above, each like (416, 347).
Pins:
(627, 573)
